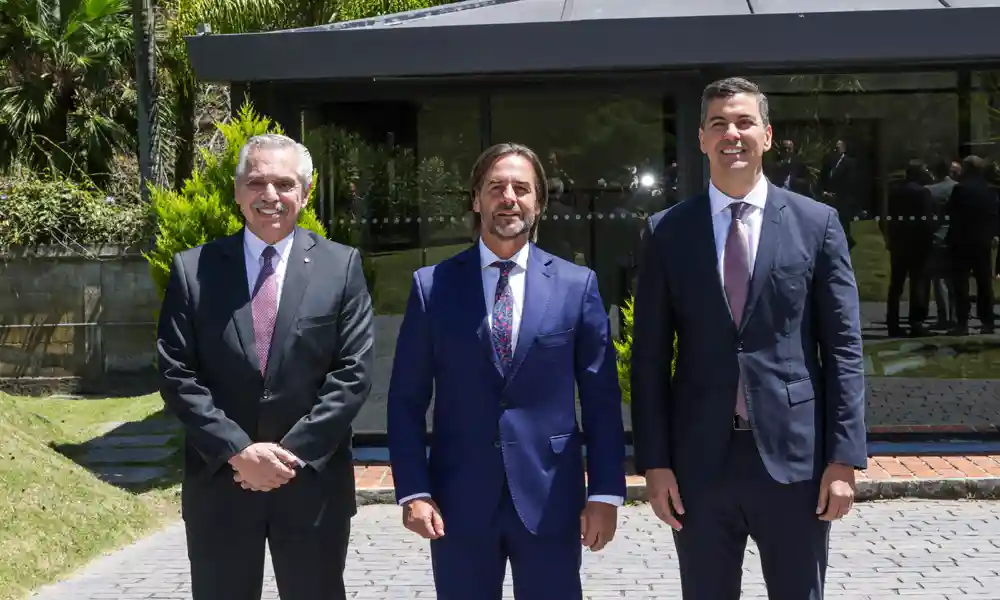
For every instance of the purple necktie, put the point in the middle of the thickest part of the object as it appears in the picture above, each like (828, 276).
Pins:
(503, 314)
(736, 272)
(265, 307)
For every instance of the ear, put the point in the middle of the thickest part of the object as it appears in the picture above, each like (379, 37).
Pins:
(475, 202)
(768, 137)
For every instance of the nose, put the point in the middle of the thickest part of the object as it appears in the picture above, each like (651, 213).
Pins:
(732, 132)
(270, 193)
(508, 193)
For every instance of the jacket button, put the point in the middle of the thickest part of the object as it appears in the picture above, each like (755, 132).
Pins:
(739, 346)
(503, 404)
(496, 444)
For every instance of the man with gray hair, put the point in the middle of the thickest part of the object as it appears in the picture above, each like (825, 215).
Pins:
(265, 346)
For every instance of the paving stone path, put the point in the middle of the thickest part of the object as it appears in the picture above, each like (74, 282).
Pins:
(132, 453)
(943, 550)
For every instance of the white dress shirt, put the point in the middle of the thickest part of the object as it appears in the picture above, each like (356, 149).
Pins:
(752, 220)
(516, 281)
(253, 248)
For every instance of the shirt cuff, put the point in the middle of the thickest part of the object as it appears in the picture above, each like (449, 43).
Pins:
(403, 501)
(613, 500)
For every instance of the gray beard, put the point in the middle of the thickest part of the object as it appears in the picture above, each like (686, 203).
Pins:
(527, 224)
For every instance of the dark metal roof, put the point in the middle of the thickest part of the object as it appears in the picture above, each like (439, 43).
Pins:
(483, 37)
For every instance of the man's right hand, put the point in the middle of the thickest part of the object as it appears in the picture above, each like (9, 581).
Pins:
(264, 466)
(664, 496)
(422, 516)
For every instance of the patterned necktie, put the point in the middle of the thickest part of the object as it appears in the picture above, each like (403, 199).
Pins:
(736, 272)
(503, 314)
(265, 307)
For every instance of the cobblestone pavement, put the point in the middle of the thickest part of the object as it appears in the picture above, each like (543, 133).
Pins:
(916, 549)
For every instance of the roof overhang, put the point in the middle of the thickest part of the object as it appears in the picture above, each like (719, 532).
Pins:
(454, 42)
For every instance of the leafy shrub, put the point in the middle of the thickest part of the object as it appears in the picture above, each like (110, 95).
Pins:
(623, 350)
(55, 210)
(205, 209)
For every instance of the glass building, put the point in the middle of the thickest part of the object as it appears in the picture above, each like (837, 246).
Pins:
(872, 102)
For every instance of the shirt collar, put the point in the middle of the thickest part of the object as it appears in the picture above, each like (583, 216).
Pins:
(256, 246)
(487, 258)
(757, 196)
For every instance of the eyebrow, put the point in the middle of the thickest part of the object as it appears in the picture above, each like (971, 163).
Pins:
(502, 181)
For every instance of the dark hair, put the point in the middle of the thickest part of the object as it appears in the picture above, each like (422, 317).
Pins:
(485, 162)
(974, 166)
(729, 87)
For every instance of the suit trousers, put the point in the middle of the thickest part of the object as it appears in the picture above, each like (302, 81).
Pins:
(307, 536)
(746, 502)
(474, 567)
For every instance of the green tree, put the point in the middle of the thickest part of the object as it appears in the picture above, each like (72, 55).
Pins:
(205, 208)
(67, 103)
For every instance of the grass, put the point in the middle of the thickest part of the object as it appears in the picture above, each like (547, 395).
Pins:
(938, 357)
(56, 516)
(871, 263)
(394, 272)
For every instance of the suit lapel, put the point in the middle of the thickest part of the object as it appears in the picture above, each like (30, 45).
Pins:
(471, 303)
(705, 254)
(767, 249)
(234, 281)
(296, 281)
(537, 291)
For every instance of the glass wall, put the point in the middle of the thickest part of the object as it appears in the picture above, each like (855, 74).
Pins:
(889, 150)
(393, 180)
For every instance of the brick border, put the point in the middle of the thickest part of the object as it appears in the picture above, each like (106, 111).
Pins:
(974, 477)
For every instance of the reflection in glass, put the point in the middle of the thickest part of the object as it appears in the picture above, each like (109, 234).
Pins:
(890, 153)
(607, 171)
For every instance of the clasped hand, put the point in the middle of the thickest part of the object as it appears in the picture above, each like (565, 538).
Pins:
(263, 466)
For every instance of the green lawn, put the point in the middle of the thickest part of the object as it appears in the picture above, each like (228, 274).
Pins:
(871, 264)
(55, 516)
(976, 357)
(394, 272)
(871, 261)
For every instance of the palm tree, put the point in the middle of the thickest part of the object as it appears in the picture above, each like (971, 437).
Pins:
(66, 102)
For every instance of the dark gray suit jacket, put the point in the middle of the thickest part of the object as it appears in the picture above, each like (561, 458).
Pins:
(798, 347)
(318, 373)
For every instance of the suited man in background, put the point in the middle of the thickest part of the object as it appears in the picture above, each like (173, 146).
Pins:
(759, 430)
(502, 334)
(265, 346)
(974, 214)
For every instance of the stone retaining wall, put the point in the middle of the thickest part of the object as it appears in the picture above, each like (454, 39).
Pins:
(84, 315)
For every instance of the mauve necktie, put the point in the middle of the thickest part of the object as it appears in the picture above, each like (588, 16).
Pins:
(736, 272)
(265, 306)
(503, 314)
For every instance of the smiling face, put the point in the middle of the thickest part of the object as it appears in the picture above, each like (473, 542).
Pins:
(507, 202)
(734, 137)
(270, 194)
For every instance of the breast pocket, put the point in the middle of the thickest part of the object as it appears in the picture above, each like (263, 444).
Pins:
(790, 283)
(317, 336)
(549, 340)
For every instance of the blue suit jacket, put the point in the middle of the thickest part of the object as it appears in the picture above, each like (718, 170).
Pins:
(522, 426)
(798, 346)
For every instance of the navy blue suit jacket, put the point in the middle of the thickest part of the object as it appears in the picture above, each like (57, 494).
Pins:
(522, 426)
(798, 346)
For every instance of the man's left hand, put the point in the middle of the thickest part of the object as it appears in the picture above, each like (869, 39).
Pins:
(245, 485)
(836, 492)
(598, 522)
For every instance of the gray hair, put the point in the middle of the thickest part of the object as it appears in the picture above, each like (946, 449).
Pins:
(275, 141)
(731, 86)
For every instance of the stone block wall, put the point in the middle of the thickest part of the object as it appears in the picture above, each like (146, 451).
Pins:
(82, 316)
